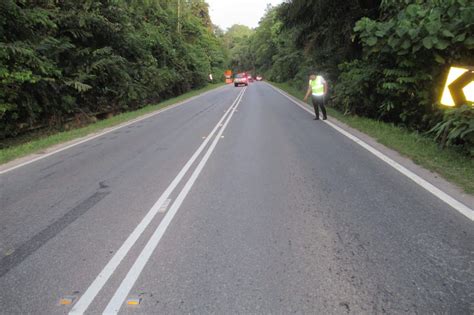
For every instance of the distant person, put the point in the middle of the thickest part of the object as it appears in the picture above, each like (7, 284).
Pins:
(318, 88)
(211, 79)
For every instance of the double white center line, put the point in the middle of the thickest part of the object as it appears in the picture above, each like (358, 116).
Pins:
(120, 295)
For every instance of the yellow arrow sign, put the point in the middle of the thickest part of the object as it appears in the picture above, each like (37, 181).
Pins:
(459, 87)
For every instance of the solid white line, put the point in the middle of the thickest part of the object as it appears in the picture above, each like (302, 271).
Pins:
(121, 294)
(107, 131)
(89, 295)
(457, 205)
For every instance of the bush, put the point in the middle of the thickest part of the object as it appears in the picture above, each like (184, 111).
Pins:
(354, 91)
(411, 51)
(456, 129)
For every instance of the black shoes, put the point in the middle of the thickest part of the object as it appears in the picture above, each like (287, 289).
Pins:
(316, 118)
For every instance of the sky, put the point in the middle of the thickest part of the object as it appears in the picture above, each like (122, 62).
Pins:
(226, 13)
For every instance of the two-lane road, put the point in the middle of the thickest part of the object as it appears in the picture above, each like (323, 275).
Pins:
(234, 202)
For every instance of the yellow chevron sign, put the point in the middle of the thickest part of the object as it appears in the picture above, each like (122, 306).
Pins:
(459, 87)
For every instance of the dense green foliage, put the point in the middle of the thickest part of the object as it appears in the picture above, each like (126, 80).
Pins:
(236, 42)
(410, 51)
(384, 59)
(66, 59)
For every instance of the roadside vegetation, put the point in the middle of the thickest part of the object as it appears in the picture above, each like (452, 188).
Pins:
(69, 62)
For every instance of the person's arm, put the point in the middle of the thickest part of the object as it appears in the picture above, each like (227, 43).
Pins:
(325, 88)
(307, 93)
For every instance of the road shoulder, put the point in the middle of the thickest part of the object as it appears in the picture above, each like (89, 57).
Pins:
(432, 177)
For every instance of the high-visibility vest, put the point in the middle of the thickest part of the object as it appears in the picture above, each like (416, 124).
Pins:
(317, 86)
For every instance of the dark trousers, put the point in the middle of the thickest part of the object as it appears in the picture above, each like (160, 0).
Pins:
(318, 101)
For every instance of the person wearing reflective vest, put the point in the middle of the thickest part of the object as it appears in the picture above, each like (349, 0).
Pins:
(317, 88)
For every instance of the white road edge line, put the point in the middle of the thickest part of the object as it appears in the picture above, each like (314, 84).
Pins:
(121, 294)
(89, 295)
(107, 131)
(457, 205)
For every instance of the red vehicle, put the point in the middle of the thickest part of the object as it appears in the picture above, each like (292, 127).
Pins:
(249, 77)
(241, 78)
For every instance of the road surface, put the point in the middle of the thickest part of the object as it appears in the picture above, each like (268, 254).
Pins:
(234, 202)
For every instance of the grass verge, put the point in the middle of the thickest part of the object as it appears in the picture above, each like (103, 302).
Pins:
(449, 163)
(40, 142)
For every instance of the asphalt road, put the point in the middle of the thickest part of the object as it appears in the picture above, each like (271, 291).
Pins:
(265, 211)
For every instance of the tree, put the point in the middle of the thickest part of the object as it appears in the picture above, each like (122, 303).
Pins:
(59, 59)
